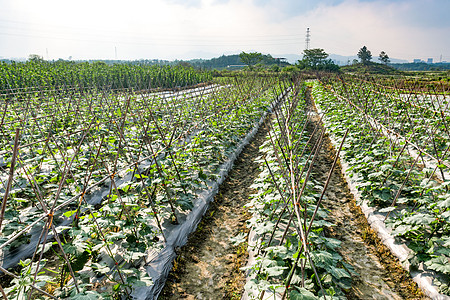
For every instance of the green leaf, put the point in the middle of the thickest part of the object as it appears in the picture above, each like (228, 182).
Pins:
(112, 236)
(69, 213)
(322, 258)
(60, 229)
(140, 176)
(275, 271)
(440, 264)
(444, 204)
(338, 273)
(331, 243)
(185, 202)
(420, 219)
(302, 294)
(387, 209)
(46, 248)
(240, 238)
(80, 261)
(87, 295)
(101, 268)
(386, 167)
(375, 175)
(322, 223)
(446, 241)
(264, 227)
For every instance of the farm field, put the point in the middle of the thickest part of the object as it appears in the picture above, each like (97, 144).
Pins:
(105, 173)
(96, 181)
(355, 258)
(396, 158)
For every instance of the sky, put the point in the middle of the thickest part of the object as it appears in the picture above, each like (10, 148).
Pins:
(187, 29)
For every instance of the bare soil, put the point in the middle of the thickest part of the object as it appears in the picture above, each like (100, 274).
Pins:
(208, 266)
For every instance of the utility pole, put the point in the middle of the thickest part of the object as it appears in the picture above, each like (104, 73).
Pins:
(308, 38)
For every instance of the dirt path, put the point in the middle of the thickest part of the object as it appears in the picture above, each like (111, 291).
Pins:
(208, 266)
(380, 274)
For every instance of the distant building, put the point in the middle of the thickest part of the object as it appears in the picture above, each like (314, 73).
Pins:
(429, 61)
(417, 60)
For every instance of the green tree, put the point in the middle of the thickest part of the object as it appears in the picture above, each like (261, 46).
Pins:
(329, 65)
(184, 64)
(314, 57)
(35, 58)
(365, 55)
(251, 59)
(384, 58)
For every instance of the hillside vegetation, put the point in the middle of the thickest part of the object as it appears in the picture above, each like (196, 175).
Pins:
(370, 67)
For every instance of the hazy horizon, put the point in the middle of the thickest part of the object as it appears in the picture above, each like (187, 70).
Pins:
(177, 29)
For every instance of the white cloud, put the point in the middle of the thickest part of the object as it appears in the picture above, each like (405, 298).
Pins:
(169, 28)
(380, 25)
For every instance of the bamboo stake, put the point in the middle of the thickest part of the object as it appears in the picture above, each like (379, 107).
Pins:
(11, 175)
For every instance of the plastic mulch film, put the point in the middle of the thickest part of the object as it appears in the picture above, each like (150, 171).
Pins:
(423, 276)
(159, 262)
(177, 235)
(93, 195)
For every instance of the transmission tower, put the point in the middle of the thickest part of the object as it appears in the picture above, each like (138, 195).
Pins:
(308, 38)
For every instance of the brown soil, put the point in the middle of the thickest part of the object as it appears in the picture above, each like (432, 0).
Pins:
(208, 267)
(380, 273)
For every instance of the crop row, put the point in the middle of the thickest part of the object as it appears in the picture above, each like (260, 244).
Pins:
(93, 190)
(37, 75)
(421, 118)
(292, 257)
(397, 151)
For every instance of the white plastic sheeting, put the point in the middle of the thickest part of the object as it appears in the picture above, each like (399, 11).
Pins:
(177, 235)
(423, 277)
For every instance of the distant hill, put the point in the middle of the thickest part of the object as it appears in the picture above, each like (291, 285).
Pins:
(422, 66)
(230, 61)
(340, 60)
(371, 68)
(217, 62)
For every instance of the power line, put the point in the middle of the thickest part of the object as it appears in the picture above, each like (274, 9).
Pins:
(163, 42)
(62, 29)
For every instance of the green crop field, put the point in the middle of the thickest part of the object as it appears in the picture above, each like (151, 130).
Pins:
(105, 170)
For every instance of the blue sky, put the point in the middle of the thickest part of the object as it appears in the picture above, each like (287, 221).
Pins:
(184, 29)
